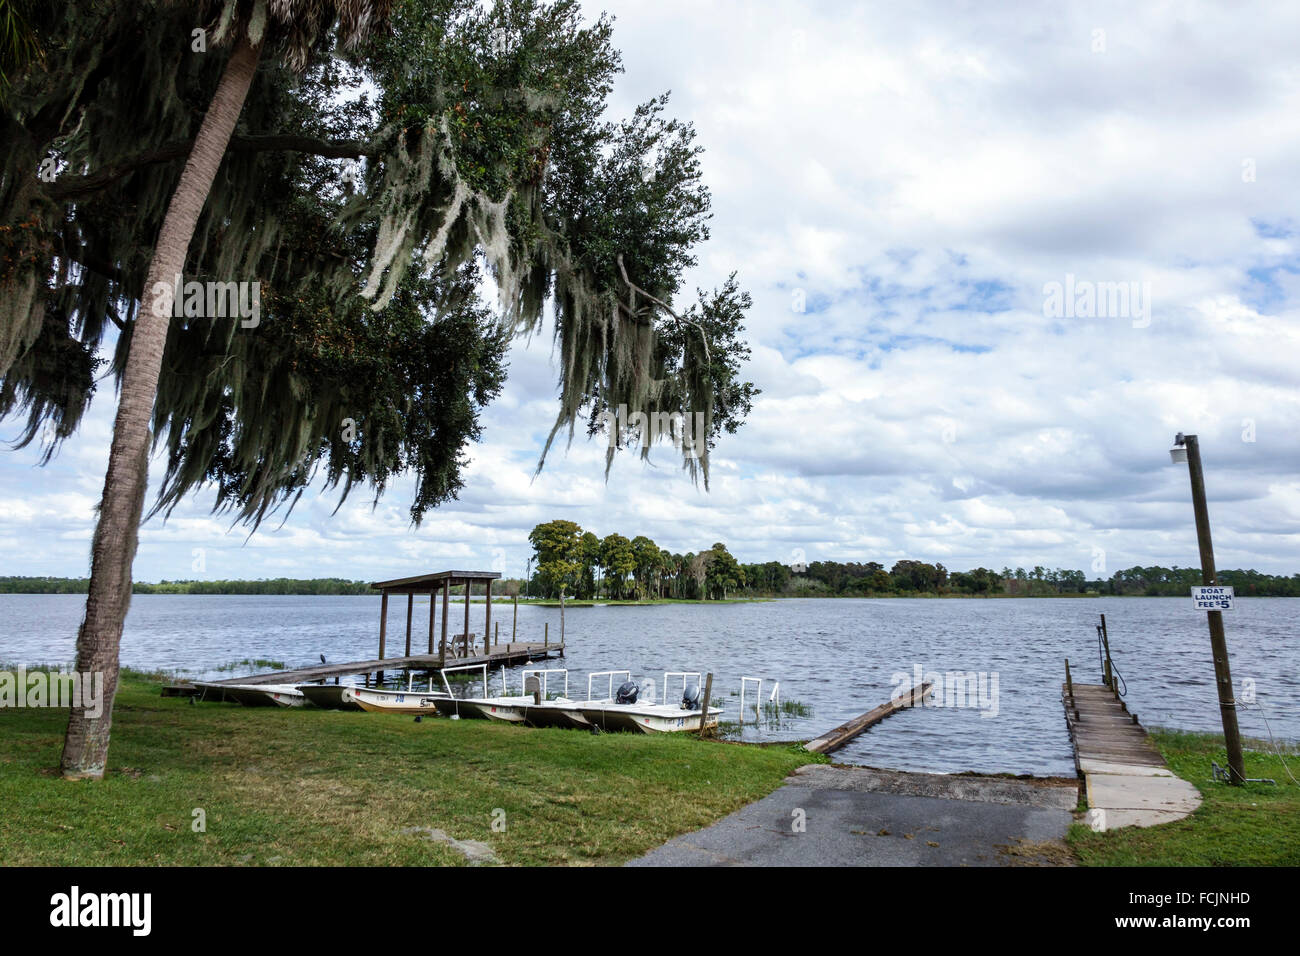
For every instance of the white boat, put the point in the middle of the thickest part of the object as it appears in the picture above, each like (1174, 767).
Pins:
(387, 701)
(396, 701)
(537, 710)
(449, 705)
(330, 696)
(254, 695)
(505, 708)
(560, 710)
(648, 717)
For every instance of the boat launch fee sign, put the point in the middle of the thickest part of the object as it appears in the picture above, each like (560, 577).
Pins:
(1215, 598)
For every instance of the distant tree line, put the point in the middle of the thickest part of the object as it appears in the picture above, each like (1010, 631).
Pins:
(1157, 581)
(615, 567)
(583, 565)
(918, 577)
(48, 585)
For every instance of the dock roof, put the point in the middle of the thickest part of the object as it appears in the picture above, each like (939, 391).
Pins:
(428, 583)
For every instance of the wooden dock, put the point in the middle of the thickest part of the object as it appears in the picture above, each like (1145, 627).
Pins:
(453, 650)
(501, 655)
(1125, 779)
(1104, 730)
(841, 735)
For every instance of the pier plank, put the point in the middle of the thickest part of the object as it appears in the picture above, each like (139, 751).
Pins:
(835, 739)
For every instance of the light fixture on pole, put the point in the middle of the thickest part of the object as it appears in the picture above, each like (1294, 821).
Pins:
(1178, 454)
(1187, 449)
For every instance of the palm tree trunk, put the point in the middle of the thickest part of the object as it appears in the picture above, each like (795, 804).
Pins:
(85, 747)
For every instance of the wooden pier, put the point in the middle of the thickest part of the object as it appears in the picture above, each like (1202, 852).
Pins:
(1104, 730)
(1126, 781)
(453, 650)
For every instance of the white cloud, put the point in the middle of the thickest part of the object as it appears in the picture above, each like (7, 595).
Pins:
(918, 172)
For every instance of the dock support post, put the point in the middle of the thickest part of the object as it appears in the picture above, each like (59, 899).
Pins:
(410, 609)
(708, 697)
(383, 629)
(1108, 677)
(546, 634)
(1069, 688)
(446, 597)
(465, 639)
(487, 617)
(433, 603)
(514, 626)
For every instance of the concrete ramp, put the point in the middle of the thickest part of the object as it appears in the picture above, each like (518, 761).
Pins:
(856, 816)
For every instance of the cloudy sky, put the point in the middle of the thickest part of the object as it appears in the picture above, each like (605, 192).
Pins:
(908, 191)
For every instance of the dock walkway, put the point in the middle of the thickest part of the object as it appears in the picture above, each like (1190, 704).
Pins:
(502, 655)
(1126, 780)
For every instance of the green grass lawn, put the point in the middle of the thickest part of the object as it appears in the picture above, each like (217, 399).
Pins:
(1255, 824)
(315, 787)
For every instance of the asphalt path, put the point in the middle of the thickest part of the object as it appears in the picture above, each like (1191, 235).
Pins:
(855, 816)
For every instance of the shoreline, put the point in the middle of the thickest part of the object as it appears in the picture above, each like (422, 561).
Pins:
(375, 787)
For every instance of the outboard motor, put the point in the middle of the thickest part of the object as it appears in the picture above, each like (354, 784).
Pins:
(627, 692)
(691, 697)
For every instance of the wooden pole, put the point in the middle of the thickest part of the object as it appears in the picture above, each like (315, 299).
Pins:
(546, 634)
(487, 618)
(383, 629)
(433, 603)
(561, 617)
(496, 636)
(514, 627)
(1108, 677)
(1069, 684)
(465, 639)
(410, 609)
(446, 597)
(708, 696)
(1218, 640)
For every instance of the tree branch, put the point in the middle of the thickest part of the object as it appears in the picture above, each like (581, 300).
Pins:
(665, 306)
(72, 188)
(87, 260)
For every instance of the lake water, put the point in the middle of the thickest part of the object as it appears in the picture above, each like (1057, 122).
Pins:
(837, 658)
